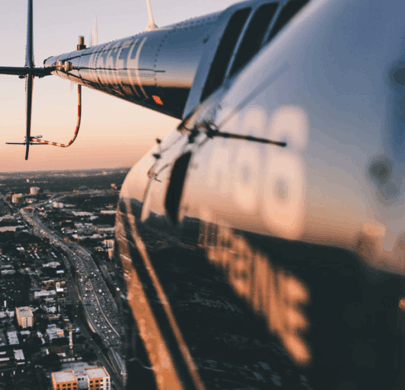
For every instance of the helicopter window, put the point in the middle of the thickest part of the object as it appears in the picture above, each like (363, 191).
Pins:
(175, 187)
(286, 14)
(224, 51)
(252, 41)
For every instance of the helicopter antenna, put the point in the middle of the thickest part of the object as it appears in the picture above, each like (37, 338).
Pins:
(94, 34)
(151, 25)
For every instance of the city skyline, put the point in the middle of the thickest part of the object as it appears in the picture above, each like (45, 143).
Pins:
(50, 277)
(113, 133)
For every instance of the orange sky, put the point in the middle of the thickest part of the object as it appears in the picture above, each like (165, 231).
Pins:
(113, 133)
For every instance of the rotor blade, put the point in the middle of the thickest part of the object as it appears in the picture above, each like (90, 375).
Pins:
(24, 143)
(29, 78)
(11, 70)
(29, 49)
(19, 71)
(28, 94)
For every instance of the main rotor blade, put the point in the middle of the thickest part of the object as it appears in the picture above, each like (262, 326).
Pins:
(29, 83)
(24, 143)
(14, 71)
(29, 78)
(18, 71)
(29, 49)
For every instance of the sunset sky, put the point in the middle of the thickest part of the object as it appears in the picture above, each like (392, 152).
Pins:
(114, 133)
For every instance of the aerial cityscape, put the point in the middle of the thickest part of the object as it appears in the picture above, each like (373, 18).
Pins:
(59, 318)
(258, 245)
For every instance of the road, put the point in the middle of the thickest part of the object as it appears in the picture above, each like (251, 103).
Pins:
(92, 291)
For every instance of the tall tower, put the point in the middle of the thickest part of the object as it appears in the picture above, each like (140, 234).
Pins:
(70, 338)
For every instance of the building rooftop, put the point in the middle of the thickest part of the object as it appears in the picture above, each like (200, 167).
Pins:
(19, 354)
(54, 333)
(64, 376)
(12, 338)
(44, 293)
(77, 367)
(97, 372)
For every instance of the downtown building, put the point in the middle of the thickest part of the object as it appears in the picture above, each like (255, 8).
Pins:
(92, 378)
(24, 315)
(34, 190)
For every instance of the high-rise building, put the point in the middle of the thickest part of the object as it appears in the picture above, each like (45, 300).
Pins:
(16, 198)
(34, 190)
(24, 315)
(64, 380)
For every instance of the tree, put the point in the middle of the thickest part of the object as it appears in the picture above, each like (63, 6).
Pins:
(81, 339)
(32, 343)
(89, 355)
(60, 341)
(50, 361)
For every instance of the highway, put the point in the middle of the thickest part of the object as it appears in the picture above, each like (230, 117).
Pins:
(98, 303)
(116, 379)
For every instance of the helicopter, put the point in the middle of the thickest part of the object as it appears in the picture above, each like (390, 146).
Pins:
(277, 192)
(261, 243)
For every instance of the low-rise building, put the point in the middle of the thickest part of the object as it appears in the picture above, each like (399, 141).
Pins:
(108, 212)
(44, 293)
(105, 228)
(64, 380)
(93, 378)
(52, 264)
(8, 272)
(25, 318)
(12, 338)
(6, 314)
(19, 356)
(99, 379)
(108, 243)
(54, 333)
(2, 339)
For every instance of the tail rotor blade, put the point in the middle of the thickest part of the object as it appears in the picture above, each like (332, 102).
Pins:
(28, 91)
(29, 78)
(28, 72)
(29, 49)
